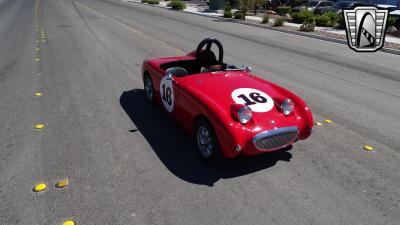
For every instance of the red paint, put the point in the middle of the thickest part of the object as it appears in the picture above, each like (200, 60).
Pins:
(209, 95)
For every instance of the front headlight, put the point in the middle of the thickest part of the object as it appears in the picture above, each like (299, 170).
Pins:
(245, 114)
(287, 107)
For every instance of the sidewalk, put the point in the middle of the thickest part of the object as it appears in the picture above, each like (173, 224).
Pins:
(328, 32)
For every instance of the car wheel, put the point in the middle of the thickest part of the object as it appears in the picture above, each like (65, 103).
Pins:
(148, 88)
(206, 141)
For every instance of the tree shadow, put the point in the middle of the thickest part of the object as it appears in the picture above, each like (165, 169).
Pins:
(176, 149)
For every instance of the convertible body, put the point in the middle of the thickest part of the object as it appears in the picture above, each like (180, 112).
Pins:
(217, 96)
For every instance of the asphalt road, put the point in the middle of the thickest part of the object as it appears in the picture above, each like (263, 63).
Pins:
(129, 163)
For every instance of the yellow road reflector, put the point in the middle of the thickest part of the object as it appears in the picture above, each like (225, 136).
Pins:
(62, 183)
(39, 126)
(38, 94)
(39, 187)
(368, 148)
(318, 123)
(37, 59)
(37, 49)
(328, 121)
(69, 222)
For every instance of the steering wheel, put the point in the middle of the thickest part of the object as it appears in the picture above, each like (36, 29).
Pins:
(207, 57)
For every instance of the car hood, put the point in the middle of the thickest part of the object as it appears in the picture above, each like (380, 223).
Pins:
(395, 13)
(221, 89)
(386, 6)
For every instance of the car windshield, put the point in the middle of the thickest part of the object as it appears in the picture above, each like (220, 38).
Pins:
(386, 2)
(312, 3)
(341, 5)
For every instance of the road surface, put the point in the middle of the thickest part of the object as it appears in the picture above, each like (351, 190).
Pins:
(129, 163)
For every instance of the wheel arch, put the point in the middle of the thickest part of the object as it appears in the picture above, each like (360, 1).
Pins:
(198, 118)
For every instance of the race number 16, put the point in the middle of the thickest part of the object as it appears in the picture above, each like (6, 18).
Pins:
(166, 94)
(257, 100)
(253, 98)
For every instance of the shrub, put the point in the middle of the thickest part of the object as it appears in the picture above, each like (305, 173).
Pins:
(278, 22)
(310, 20)
(265, 19)
(228, 8)
(153, 2)
(323, 21)
(300, 17)
(308, 26)
(177, 4)
(391, 21)
(238, 15)
(228, 14)
(340, 23)
(327, 19)
(228, 11)
(283, 10)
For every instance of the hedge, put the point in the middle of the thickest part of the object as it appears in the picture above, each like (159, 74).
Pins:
(300, 17)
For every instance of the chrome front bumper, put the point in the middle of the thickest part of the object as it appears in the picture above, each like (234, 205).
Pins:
(275, 139)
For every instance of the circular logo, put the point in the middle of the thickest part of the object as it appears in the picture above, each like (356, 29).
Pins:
(257, 100)
(167, 94)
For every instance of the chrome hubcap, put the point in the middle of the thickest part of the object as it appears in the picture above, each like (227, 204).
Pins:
(204, 141)
(148, 88)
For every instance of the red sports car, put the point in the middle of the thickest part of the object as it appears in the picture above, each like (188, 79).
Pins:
(229, 111)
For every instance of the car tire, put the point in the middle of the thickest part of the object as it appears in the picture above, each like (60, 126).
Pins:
(148, 88)
(207, 142)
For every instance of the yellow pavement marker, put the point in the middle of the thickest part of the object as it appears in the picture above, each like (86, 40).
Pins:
(328, 121)
(37, 49)
(69, 222)
(62, 183)
(368, 148)
(39, 126)
(37, 59)
(318, 123)
(37, 94)
(39, 187)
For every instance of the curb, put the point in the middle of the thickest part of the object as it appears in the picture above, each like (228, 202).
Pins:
(303, 34)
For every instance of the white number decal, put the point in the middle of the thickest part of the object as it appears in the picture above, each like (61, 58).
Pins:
(257, 100)
(167, 94)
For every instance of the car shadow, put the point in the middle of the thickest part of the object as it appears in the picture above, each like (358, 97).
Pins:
(176, 149)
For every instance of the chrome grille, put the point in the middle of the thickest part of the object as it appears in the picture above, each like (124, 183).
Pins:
(274, 139)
